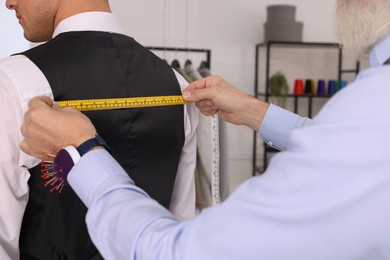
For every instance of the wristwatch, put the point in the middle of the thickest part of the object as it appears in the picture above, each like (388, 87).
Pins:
(55, 172)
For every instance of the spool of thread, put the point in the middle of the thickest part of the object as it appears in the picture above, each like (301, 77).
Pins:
(343, 84)
(298, 87)
(321, 87)
(313, 87)
(331, 87)
(308, 86)
(337, 85)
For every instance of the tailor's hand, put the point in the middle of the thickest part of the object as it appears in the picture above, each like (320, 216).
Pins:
(47, 128)
(215, 95)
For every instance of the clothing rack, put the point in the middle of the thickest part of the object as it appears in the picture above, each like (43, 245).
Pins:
(217, 187)
(176, 49)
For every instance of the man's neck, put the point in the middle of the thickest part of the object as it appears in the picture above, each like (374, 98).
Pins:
(72, 7)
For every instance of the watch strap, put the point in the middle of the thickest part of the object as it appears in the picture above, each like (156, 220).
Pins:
(91, 143)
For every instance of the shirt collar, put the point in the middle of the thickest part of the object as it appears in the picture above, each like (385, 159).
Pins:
(380, 53)
(90, 21)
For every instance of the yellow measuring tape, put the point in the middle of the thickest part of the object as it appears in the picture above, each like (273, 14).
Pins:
(119, 103)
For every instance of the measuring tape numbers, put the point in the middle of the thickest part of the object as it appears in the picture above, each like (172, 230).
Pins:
(215, 163)
(121, 103)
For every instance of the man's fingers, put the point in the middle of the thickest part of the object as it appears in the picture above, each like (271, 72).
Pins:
(23, 129)
(57, 107)
(23, 145)
(44, 154)
(207, 107)
(201, 89)
(196, 95)
(70, 109)
(203, 104)
(39, 101)
(47, 100)
(201, 83)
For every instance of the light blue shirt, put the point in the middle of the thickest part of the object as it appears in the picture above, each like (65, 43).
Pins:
(325, 197)
(278, 125)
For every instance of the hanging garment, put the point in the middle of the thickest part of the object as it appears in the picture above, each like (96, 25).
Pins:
(176, 65)
(192, 73)
(204, 69)
(203, 174)
(204, 171)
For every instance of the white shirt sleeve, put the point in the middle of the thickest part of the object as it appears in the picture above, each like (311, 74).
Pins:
(13, 178)
(183, 196)
(20, 80)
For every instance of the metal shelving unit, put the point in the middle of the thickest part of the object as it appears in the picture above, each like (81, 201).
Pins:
(296, 98)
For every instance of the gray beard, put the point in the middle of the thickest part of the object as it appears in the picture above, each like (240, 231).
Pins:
(360, 24)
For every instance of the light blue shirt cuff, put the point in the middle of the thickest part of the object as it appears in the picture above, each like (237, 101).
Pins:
(94, 171)
(277, 126)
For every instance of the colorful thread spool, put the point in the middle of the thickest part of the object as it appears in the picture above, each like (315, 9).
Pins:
(343, 84)
(321, 87)
(298, 87)
(309, 86)
(332, 87)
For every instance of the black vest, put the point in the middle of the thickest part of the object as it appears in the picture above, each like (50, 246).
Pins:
(147, 142)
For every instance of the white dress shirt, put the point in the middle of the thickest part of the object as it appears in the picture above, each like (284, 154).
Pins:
(325, 197)
(20, 80)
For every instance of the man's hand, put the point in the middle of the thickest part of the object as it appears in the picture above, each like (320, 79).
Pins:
(215, 95)
(47, 128)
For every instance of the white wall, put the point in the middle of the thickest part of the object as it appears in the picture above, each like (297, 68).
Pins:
(11, 34)
(230, 29)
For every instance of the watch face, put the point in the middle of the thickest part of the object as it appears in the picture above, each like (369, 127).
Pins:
(55, 172)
